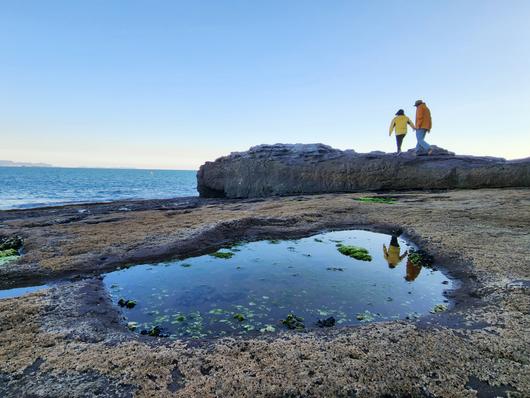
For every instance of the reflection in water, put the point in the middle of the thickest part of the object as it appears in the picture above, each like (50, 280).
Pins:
(253, 286)
(392, 255)
(413, 270)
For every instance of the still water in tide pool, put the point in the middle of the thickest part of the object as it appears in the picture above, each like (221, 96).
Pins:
(262, 282)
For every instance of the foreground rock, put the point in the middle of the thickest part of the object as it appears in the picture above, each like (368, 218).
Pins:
(285, 169)
(70, 341)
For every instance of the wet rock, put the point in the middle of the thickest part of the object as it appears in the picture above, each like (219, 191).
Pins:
(268, 328)
(365, 316)
(326, 323)
(132, 325)
(294, 322)
(239, 317)
(126, 303)
(155, 331)
(439, 308)
(293, 169)
(10, 243)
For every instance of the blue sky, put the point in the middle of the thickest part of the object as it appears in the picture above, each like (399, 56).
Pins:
(171, 84)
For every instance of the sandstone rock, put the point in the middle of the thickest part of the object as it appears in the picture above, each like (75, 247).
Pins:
(288, 169)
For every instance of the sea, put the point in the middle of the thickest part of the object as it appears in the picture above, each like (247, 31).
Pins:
(30, 187)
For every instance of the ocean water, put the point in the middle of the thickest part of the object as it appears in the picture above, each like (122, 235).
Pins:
(26, 187)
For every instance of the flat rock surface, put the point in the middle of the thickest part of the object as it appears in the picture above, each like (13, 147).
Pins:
(289, 169)
(69, 341)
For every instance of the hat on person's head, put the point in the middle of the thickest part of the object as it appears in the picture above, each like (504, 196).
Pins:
(400, 112)
(418, 102)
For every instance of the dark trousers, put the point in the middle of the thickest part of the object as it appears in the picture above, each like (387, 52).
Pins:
(399, 141)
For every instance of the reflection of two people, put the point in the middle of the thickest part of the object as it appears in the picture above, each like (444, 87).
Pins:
(393, 257)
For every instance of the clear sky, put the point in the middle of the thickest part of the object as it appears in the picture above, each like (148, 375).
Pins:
(171, 84)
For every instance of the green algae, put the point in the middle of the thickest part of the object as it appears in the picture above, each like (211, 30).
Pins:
(8, 253)
(239, 317)
(358, 253)
(223, 255)
(420, 258)
(126, 303)
(439, 308)
(5, 260)
(9, 249)
(294, 322)
(376, 199)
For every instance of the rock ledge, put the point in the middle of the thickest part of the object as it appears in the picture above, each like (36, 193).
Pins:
(289, 169)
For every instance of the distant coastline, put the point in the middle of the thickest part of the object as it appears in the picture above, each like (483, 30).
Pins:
(9, 163)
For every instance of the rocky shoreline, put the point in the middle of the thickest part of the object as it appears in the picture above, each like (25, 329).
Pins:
(293, 169)
(69, 340)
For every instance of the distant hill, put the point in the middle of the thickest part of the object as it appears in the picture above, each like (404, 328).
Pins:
(9, 163)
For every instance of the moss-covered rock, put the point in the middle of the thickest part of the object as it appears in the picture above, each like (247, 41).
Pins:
(439, 308)
(358, 253)
(10, 242)
(294, 322)
(239, 317)
(155, 331)
(223, 255)
(126, 303)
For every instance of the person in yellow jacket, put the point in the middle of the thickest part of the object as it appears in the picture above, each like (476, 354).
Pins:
(400, 123)
(423, 126)
(393, 254)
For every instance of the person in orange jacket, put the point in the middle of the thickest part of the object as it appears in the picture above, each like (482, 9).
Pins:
(400, 124)
(413, 270)
(423, 126)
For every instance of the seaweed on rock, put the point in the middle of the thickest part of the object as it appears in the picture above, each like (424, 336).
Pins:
(420, 258)
(358, 253)
(223, 255)
(294, 322)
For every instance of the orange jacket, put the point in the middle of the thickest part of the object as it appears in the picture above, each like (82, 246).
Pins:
(423, 117)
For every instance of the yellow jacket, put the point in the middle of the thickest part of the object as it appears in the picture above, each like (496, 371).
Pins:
(392, 255)
(400, 124)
